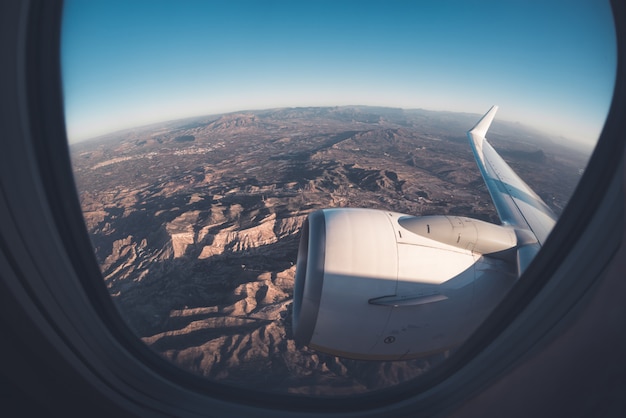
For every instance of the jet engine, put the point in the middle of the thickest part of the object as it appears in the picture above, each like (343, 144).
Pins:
(372, 284)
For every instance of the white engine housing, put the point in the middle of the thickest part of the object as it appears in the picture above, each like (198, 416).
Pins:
(373, 285)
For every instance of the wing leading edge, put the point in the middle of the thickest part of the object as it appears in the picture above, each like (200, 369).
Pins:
(517, 204)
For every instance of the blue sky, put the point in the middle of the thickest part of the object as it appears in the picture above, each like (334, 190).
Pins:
(549, 65)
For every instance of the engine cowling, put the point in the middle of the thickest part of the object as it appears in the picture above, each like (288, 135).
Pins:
(372, 284)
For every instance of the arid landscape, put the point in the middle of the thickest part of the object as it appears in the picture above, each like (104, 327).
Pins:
(195, 223)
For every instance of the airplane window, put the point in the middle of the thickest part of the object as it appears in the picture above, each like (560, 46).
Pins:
(303, 197)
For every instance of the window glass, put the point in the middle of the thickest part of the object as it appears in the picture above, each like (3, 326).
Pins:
(203, 133)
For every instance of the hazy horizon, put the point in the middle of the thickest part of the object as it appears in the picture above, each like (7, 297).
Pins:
(577, 145)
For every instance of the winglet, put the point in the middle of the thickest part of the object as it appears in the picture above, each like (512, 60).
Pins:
(485, 122)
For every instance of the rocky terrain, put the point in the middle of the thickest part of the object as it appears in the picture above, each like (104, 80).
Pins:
(195, 223)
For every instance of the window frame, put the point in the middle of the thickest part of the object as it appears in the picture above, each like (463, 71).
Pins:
(51, 279)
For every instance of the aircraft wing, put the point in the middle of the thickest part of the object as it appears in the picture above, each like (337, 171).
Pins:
(517, 204)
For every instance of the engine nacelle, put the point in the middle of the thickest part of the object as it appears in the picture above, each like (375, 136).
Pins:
(373, 285)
